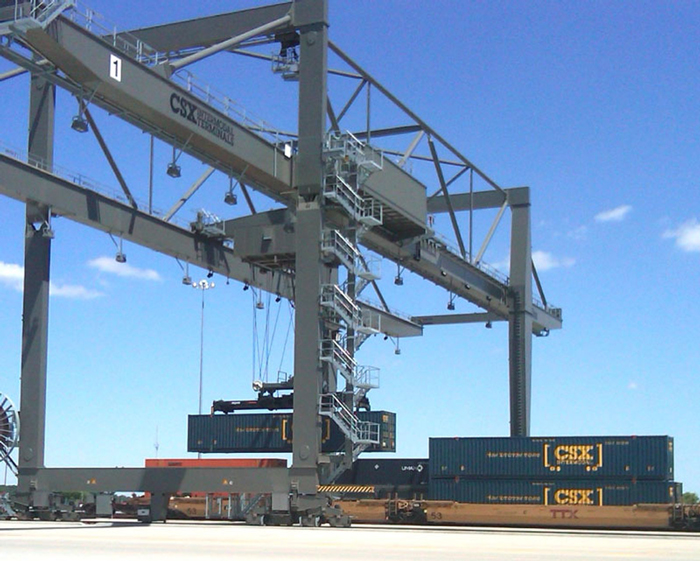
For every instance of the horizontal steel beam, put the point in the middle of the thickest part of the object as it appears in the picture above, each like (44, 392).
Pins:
(481, 200)
(450, 319)
(207, 31)
(24, 182)
(391, 323)
(433, 261)
(160, 480)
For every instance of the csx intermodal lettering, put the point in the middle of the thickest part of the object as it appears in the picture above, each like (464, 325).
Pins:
(183, 107)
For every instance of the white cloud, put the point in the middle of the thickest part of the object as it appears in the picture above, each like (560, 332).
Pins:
(632, 386)
(109, 265)
(617, 214)
(579, 233)
(544, 261)
(687, 235)
(12, 276)
(73, 291)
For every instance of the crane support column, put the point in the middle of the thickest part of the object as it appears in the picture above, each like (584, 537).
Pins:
(520, 319)
(35, 311)
(311, 18)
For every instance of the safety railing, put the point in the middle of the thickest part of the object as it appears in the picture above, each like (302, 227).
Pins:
(367, 377)
(333, 297)
(334, 353)
(347, 148)
(334, 243)
(359, 432)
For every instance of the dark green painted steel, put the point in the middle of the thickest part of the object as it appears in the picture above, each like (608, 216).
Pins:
(274, 432)
(556, 492)
(561, 457)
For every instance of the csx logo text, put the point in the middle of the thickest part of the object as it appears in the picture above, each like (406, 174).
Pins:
(574, 454)
(574, 497)
(184, 108)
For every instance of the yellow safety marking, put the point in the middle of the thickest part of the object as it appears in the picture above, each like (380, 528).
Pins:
(346, 488)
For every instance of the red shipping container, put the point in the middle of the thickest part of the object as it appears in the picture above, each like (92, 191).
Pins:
(217, 462)
(214, 463)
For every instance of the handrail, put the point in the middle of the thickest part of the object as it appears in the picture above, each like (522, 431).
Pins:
(81, 180)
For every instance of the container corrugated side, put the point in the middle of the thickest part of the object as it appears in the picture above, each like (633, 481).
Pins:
(552, 492)
(632, 457)
(274, 432)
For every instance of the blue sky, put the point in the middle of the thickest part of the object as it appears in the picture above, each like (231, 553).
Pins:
(593, 105)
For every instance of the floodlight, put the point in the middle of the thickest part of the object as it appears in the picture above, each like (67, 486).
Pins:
(173, 170)
(230, 198)
(79, 124)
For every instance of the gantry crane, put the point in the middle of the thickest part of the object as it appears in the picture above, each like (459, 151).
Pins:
(338, 193)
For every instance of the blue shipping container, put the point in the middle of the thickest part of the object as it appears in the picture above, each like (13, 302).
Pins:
(274, 432)
(552, 492)
(561, 457)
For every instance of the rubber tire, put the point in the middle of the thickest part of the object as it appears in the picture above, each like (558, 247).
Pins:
(311, 521)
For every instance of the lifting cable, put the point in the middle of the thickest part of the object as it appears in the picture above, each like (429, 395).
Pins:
(286, 337)
(262, 349)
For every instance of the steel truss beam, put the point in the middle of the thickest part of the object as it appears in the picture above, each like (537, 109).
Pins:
(207, 31)
(427, 128)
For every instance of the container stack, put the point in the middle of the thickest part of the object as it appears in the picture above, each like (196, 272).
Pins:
(592, 470)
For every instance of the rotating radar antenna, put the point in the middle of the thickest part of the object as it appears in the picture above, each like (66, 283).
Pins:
(9, 430)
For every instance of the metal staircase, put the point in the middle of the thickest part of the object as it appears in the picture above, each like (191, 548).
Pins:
(335, 244)
(37, 13)
(363, 209)
(334, 353)
(346, 148)
(349, 162)
(359, 432)
(333, 297)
